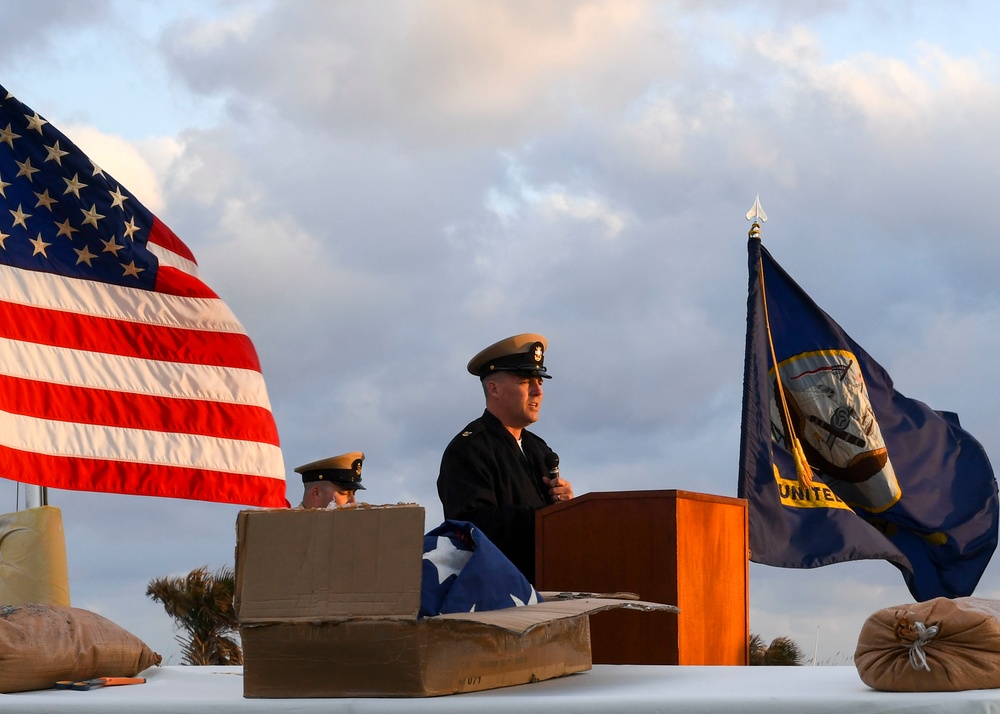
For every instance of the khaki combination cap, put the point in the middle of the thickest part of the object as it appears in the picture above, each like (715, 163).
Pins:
(343, 470)
(520, 354)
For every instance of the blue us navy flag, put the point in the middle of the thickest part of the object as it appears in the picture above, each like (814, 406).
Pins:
(464, 572)
(890, 477)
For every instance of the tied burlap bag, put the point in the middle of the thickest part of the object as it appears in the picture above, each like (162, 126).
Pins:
(942, 645)
(42, 644)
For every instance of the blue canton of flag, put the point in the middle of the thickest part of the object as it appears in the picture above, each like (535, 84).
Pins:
(464, 572)
(890, 477)
(78, 203)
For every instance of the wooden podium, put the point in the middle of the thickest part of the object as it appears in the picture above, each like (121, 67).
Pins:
(675, 547)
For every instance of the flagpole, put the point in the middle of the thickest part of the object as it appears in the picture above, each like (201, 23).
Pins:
(802, 469)
(35, 496)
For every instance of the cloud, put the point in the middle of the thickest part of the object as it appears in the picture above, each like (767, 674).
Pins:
(553, 203)
(36, 27)
(436, 72)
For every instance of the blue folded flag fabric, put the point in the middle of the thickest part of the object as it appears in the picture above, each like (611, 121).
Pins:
(464, 572)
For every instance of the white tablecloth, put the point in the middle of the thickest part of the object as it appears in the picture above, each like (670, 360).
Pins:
(622, 689)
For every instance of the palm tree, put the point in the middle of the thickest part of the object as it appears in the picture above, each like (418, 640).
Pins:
(201, 603)
(781, 652)
(757, 649)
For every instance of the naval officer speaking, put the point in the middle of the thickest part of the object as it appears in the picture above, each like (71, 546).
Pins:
(496, 473)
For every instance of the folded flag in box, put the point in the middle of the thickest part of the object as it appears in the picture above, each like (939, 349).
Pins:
(464, 572)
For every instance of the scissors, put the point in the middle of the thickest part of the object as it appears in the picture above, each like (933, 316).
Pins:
(84, 685)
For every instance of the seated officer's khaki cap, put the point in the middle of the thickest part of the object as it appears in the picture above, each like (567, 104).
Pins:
(343, 470)
(520, 354)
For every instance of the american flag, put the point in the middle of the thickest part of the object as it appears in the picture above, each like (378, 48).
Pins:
(120, 370)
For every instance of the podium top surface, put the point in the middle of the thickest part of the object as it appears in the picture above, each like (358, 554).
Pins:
(670, 494)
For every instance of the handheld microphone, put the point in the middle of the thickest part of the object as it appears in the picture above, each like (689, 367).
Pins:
(552, 464)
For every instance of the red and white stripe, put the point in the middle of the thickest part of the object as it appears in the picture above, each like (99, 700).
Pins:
(109, 388)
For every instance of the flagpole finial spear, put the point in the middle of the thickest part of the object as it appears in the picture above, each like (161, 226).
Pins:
(757, 215)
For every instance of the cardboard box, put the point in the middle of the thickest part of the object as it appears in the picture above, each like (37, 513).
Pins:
(328, 601)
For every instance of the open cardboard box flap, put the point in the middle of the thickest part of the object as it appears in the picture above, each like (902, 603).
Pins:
(520, 620)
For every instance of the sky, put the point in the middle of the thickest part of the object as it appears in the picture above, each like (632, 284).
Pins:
(380, 190)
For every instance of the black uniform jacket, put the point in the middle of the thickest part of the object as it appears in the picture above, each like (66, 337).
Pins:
(486, 479)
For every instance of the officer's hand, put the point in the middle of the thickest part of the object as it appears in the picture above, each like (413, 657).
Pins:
(559, 488)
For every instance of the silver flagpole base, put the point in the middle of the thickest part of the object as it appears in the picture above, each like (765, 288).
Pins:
(35, 496)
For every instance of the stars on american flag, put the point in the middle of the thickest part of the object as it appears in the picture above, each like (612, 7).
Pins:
(118, 198)
(55, 153)
(91, 216)
(65, 229)
(26, 169)
(35, 122)
(73, 185)
(7, 136)
(130, 228)
(446, 558)
(20, 217)
(84, 255)
(44, 199)
(132, 269)
(110, 246)
(39, 245)
(60, 211)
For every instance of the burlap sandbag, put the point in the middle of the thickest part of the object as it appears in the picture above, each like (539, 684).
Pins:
(42, 644)
(942, 645)
(33, 567)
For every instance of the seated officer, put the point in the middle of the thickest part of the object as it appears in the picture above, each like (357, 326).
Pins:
(330, 483)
